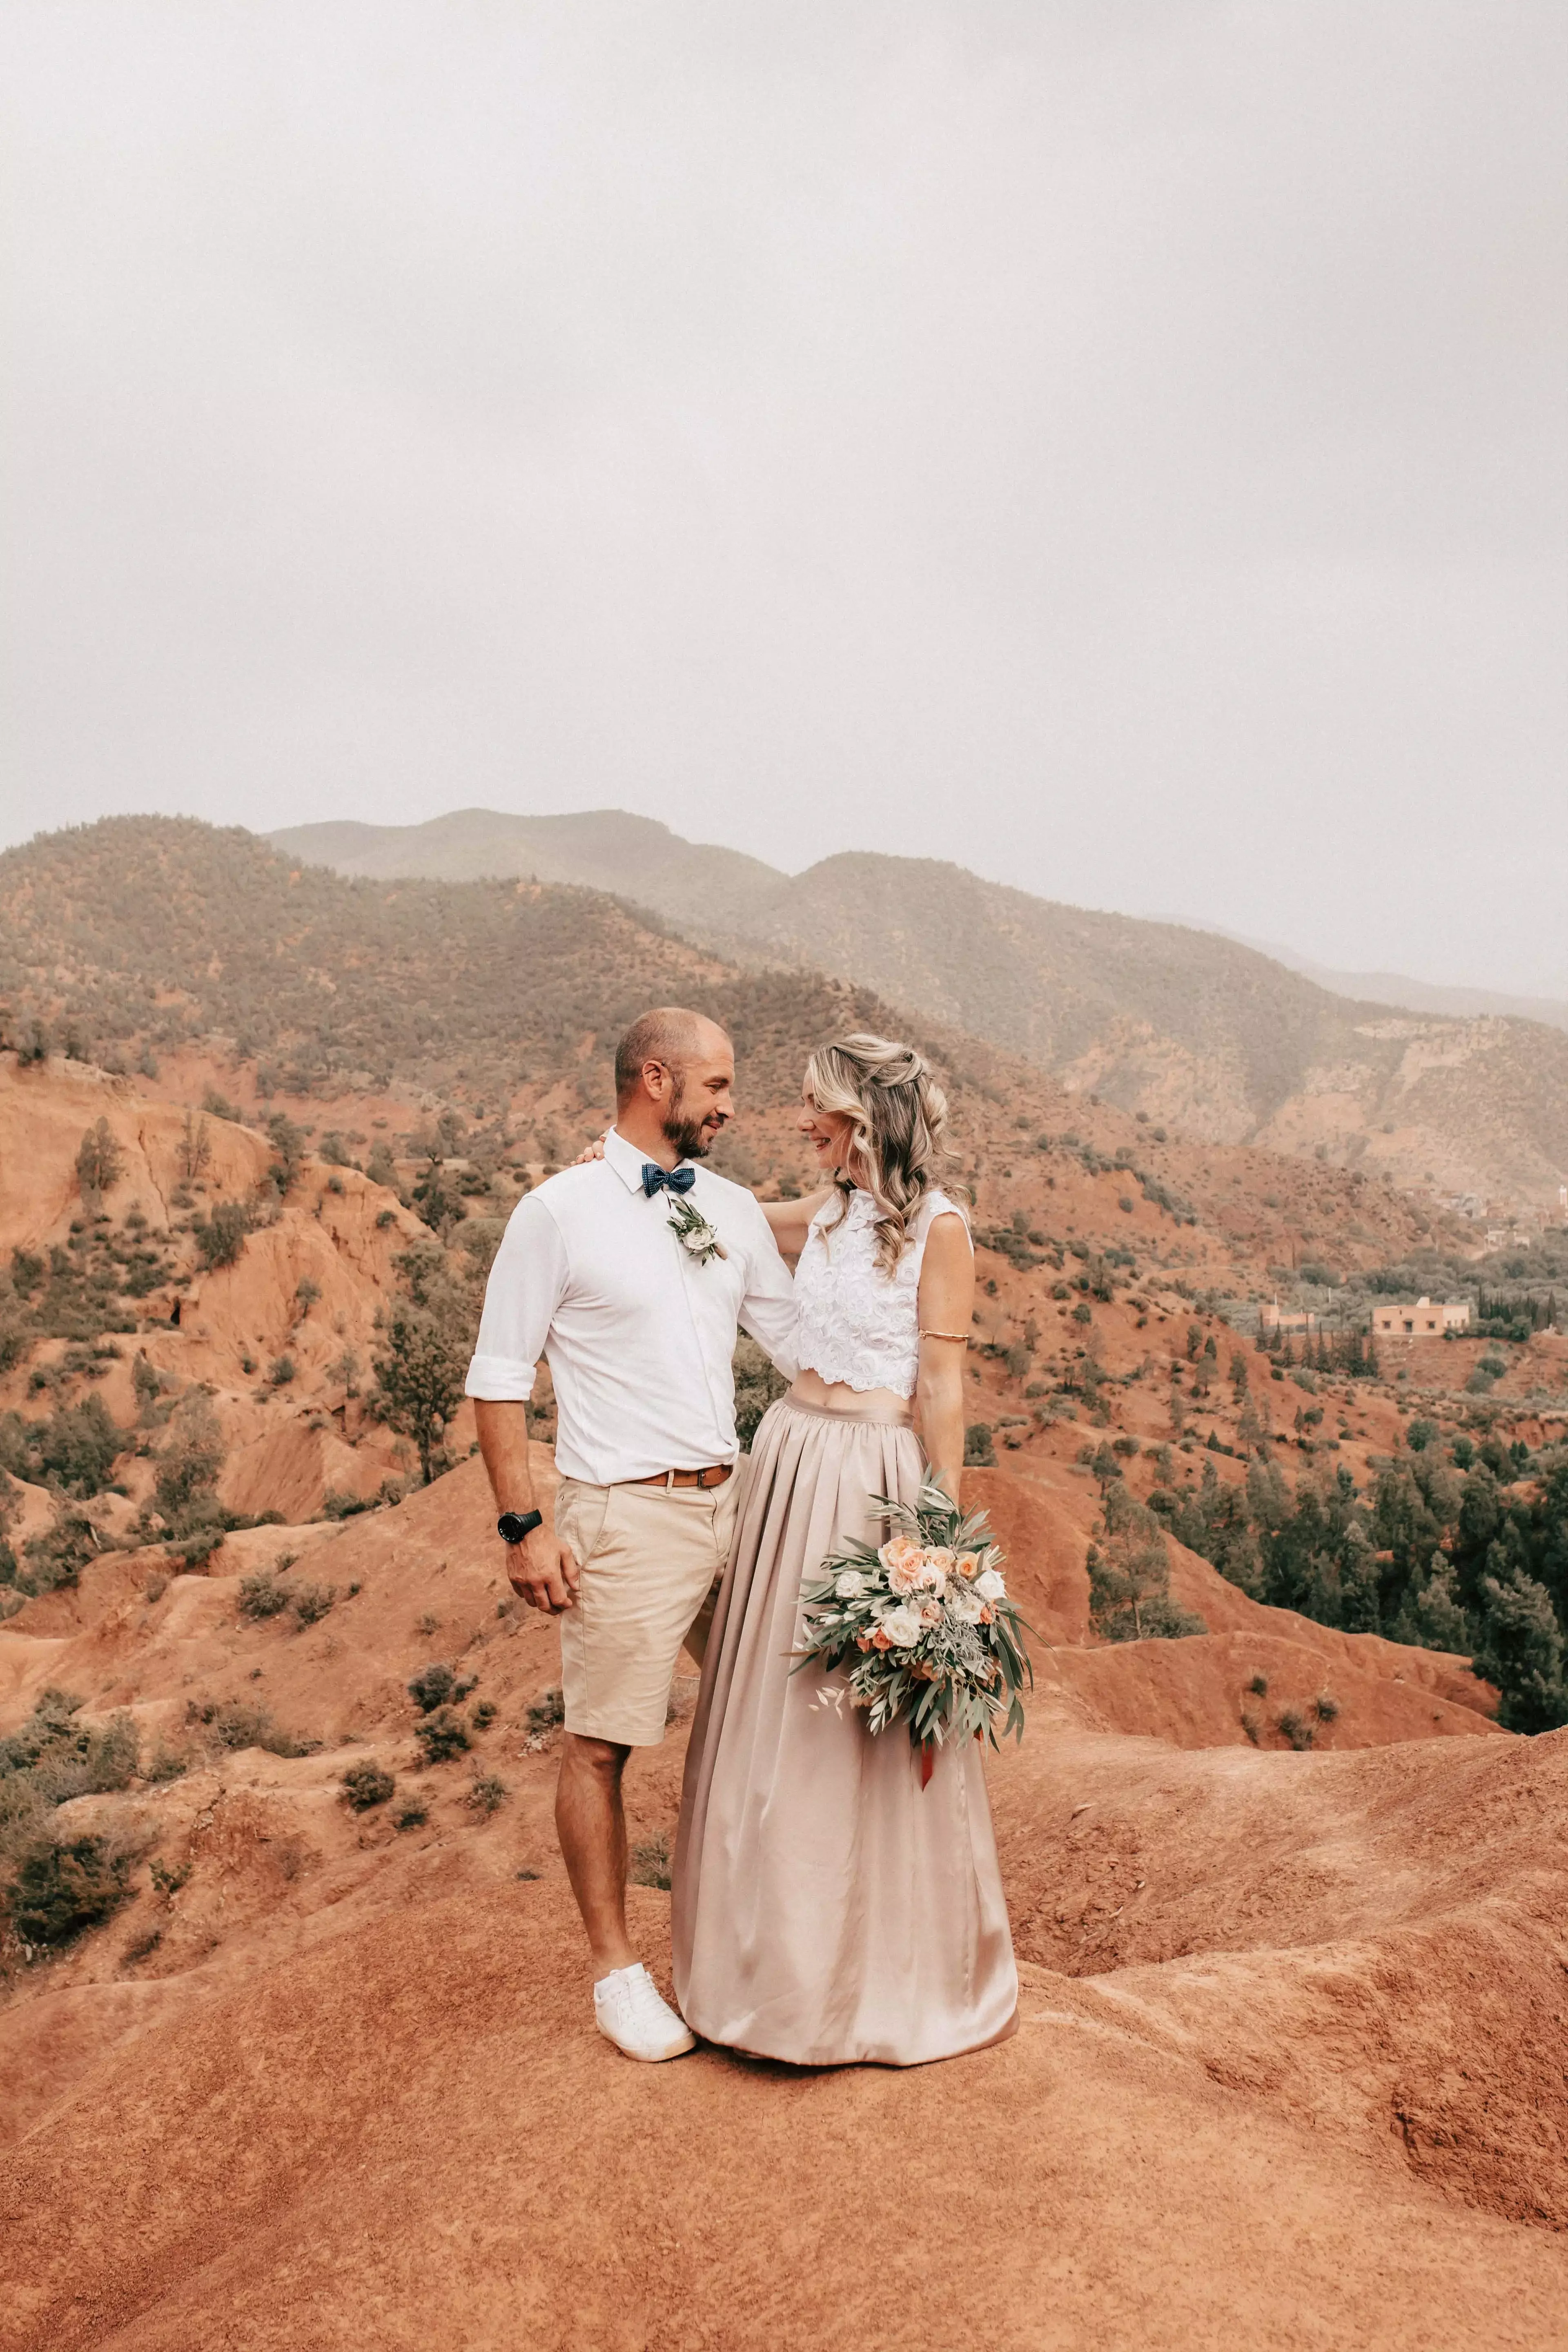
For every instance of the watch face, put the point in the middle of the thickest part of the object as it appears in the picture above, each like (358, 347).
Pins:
(513, 1525)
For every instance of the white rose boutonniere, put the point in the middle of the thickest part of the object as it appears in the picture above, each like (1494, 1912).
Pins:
(693, 1232)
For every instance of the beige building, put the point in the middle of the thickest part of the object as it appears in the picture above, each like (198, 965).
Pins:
(1417, 1321)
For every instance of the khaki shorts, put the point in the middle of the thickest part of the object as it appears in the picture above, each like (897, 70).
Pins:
(651, 1559)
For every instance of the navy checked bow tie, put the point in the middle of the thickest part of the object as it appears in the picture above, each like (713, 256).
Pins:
(678, 1180)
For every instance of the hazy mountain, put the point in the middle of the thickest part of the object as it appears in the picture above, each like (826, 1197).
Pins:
(1193, 1027)
(1397, 989)
(605, 850)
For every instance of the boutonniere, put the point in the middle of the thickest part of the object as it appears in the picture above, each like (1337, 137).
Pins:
(693, 1232)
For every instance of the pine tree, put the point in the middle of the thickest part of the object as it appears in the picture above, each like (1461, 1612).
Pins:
(429, 1338)
(1520, 1650)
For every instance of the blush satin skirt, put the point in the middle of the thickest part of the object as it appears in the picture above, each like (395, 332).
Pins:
(827, 1909)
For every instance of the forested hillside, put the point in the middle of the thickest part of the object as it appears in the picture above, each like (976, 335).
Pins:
(1191, 1027)
(134, 937)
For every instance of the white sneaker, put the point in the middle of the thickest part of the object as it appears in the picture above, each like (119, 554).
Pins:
(630, 2011)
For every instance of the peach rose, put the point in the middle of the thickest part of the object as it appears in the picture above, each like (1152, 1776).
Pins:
(968, 1565)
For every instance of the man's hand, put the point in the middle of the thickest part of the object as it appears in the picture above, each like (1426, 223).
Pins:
(544, 1572)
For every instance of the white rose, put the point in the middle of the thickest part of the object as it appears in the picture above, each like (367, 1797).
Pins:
(902, 1627)
(989, 1585)
(696, 1238)
(964, 1605)
(850, 1584)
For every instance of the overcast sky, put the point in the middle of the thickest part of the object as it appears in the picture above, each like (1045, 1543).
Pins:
(1116, 445)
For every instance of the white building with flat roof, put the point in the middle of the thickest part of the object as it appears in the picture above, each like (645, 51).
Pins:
(1422, 1320)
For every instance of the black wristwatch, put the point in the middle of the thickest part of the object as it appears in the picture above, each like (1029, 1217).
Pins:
(513, 1525)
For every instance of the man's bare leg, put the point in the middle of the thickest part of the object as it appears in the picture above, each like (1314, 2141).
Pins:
(592, 1827)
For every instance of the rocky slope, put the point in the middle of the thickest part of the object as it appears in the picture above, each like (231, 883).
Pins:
(1291, 2062)
(1189, 1026)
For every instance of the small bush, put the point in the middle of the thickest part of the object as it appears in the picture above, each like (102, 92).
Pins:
(1326, 1707)
(220, 1238)
(312, 1602)
(261, 1595)
(365, 1785)
(1293, 1728)
(488, 1794)
(280, 1370)
(650, 1865)
(410, 1817)
(442, 1734)
(979, 1452)
(1259, 1686)
(235, 1725)
(60, 1890)
(547, 1713)
(484, 1715)
(438, 1686)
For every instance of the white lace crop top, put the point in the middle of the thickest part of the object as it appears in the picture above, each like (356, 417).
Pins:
(855, 1322)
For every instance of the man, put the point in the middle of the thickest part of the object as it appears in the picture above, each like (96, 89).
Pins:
(630, 1274)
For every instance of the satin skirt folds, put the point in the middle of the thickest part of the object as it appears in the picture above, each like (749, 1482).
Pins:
(827, 1910)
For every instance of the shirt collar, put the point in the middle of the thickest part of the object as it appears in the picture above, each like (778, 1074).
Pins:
(626, 1160)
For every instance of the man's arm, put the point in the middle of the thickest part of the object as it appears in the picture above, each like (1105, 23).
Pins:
(541, 1569)
(525, 1287)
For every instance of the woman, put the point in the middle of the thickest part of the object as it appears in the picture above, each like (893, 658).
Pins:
(827, 1908)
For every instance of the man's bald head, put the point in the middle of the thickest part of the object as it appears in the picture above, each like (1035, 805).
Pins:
(670, 1037)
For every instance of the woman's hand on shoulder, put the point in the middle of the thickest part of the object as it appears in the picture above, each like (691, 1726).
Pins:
(594, 1151)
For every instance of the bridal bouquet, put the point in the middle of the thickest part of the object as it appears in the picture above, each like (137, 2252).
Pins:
(923, 1626)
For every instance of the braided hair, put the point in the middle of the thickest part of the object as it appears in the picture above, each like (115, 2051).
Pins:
(898, 1147)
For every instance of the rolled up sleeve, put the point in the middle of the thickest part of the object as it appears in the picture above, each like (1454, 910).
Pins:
(526, 1285)
(767, 1310)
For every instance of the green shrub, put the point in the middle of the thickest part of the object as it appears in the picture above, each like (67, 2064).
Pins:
(100, 1162)
(312, 1602)
(979, 1453)
(238, 1724)
(547, 1713)
(60, 1890)
(262, 1596)
(438, 1686)
(220, 1238)
(650, 1862)
(1294, 1728)
(280, 1370)
(488, 1794)
(52, 1560)
(365, 1785)
(442, 1734)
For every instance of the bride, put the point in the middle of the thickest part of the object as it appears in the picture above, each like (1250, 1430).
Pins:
(827, 1909)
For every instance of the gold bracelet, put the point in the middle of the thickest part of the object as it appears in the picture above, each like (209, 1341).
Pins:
(946, 1335)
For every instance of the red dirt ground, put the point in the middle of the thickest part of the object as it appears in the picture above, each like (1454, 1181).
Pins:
(1291, 2068)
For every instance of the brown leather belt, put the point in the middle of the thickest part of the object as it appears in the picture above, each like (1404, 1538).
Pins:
(713, 1476)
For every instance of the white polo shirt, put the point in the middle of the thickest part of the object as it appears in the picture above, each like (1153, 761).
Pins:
(638, 1333)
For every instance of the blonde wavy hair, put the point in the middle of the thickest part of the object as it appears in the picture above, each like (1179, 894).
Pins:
(899, 1150)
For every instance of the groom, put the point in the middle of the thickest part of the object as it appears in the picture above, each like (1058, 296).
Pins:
(630, 1274)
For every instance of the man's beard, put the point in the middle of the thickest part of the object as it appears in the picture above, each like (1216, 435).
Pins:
(683, 1130)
